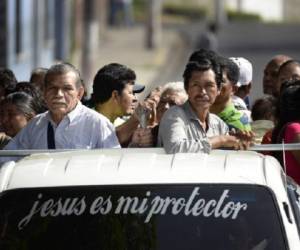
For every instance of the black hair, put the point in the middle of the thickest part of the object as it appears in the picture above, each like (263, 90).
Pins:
(32, 90)
(264, 108)
(202, 54)
(8, 80)
(288, 111)
(111, 77)
(63, 68)
(37, 73)
(23, 102)
(231, 69)
(285, 64)
(202, 65)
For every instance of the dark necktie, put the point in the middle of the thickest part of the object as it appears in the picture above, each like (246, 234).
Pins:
(50, 137)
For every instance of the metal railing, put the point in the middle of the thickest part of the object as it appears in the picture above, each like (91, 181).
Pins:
(259, 148)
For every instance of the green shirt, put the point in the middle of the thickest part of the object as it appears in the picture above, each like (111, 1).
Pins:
(235, 119)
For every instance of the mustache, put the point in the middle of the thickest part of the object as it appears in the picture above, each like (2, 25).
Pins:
(201, 97)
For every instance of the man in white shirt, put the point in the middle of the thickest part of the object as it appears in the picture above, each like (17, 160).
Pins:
(68, 124)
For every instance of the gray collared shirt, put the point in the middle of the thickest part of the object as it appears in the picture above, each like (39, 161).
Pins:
(180, 130)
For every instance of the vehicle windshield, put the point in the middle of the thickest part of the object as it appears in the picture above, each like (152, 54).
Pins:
(194, 216)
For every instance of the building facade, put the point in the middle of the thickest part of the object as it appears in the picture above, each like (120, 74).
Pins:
(37, 33)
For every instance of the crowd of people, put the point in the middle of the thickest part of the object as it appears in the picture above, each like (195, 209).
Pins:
(208, 110)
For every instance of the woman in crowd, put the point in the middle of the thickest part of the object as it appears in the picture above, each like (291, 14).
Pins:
(263, 114)
(17, 110)
(32, 90)
(290, 70)
(287, 129)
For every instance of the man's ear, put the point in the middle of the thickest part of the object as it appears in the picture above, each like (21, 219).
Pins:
(234, 88)
(115, 95)
(80, 93)
(249, 87)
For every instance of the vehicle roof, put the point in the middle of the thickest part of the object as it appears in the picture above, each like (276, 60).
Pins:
(148, 166)
(139, 166)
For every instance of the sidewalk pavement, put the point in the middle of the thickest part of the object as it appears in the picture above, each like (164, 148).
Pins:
(127, 46)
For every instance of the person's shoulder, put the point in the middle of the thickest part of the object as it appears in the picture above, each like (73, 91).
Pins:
(94, 115)
(215, 119)
(294, 126)
(175, 111)
(217, 123)
(239, 103)
(37, 121)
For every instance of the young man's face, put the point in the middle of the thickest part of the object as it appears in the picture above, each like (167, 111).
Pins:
(127, 100)
(226, 91)
(202, 89)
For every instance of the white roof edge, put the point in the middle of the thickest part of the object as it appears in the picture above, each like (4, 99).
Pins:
(134, 166)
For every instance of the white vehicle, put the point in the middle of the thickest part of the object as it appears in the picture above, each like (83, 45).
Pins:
(146, 199)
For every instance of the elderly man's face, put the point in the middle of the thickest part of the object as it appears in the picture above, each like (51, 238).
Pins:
(61, 94)
(271, 74)
(168, 99)
(202, 89)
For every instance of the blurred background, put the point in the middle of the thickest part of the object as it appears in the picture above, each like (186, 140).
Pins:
(153, 37)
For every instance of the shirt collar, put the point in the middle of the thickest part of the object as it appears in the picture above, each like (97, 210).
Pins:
(190, 113)
(75, 112)
(70, 116)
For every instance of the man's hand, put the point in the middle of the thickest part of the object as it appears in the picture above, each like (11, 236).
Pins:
(142, 137)
(146, 113)
(240, 141)
(245, 138)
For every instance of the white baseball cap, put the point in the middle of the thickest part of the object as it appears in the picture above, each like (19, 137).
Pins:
(245, 68)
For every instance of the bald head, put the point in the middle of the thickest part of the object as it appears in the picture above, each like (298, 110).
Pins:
(271, 73)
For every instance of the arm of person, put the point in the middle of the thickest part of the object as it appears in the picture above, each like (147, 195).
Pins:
(108, 138)
(142, 137)
(292, 135)
(296, 153)
(19, 142)
(4, 140)
(173, 135)
(124, 131)
(224, 141)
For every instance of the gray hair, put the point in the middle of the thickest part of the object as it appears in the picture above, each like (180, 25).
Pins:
(177, 87)
(63, 68)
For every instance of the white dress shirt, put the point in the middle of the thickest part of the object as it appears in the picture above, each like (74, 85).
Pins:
(82, 128)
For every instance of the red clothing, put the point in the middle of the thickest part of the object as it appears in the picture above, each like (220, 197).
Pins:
(267, 139)
(292, 165)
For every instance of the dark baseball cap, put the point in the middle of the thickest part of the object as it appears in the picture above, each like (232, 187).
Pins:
(138, 88)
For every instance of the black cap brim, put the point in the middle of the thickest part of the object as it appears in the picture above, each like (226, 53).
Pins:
(138, 88)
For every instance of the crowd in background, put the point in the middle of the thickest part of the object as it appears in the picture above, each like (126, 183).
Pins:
(209, 109)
